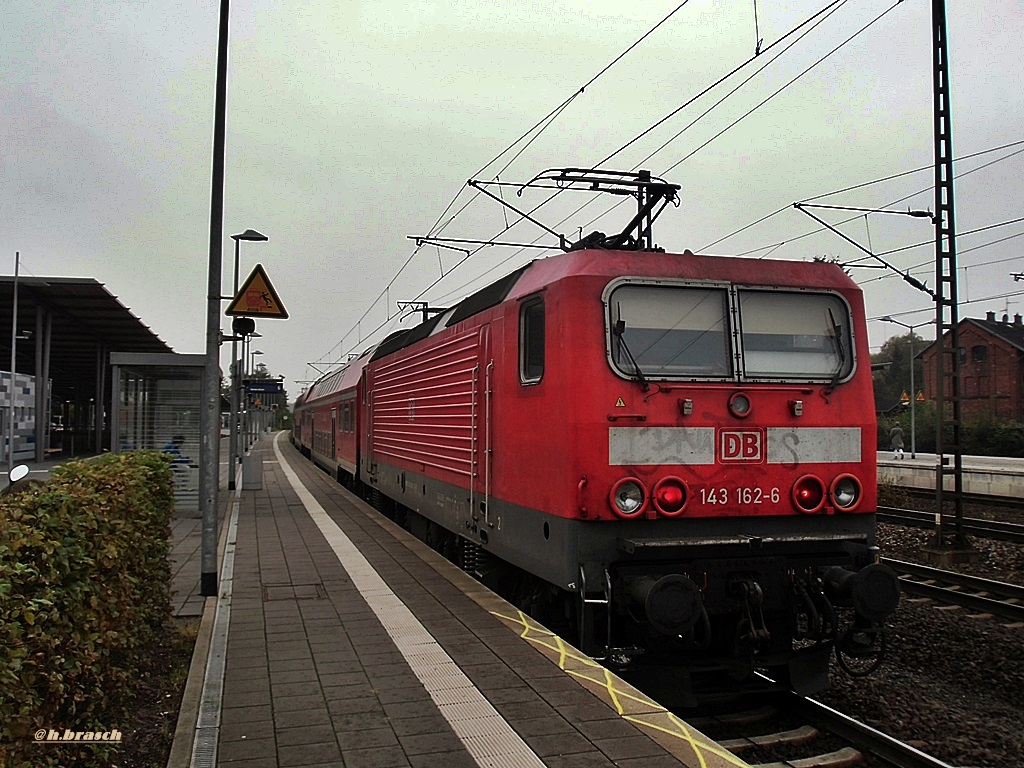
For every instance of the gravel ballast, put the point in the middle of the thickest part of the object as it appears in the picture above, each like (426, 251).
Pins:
(952, 684)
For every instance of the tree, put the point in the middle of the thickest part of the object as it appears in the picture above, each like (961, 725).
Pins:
(892, 380)
(982, 435)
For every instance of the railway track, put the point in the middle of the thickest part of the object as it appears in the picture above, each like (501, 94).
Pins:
(973, 526)
(791, 731)
(976, 594)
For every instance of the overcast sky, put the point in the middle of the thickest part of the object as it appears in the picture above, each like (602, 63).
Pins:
(352, 125)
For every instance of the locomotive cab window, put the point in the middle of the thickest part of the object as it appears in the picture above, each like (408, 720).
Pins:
(665, 331)
(795, 335)
(531, 341)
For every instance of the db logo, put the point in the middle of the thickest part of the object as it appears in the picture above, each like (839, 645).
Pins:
(740, 446)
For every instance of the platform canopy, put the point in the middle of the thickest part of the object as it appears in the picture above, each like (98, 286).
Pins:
(84, 316)
(84, 323)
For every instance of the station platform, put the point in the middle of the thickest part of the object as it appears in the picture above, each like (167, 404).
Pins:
(982, 475)
(338, 639)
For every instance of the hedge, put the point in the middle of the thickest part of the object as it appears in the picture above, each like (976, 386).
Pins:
(84, 592)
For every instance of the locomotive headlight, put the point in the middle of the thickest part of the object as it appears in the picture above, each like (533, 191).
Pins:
(739, 405)
(809, 493)
(670, 496)
(846, 492)
(628, 498)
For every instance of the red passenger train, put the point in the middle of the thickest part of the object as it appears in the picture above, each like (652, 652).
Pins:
(669, 456)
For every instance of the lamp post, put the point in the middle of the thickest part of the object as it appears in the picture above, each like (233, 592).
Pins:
(251, 424)
(252, 236)
(14, 375)
(913, 397)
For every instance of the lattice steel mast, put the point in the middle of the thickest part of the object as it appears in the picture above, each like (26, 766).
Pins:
(947, 366)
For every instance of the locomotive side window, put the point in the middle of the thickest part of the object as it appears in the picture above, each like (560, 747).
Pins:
(670, 331)
(531, 341)
(795, 335)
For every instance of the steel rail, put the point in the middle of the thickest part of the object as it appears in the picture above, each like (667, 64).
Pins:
(864, 737)
(969, 497)
(1007, 600)
(989, 529)
(822, 720)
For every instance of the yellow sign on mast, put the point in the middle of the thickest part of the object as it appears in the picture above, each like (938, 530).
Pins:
(257, 298)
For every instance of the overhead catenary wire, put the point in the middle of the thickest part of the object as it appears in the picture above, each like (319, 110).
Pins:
(552, 116)
(955, 176)
(548, 118)
(542, 124)
(814, 21)
(774, 246)
(961, 251)
(908, 312)
(861, 185)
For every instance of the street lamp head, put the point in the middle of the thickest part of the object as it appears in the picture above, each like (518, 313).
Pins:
(887, 319)
(250, 235)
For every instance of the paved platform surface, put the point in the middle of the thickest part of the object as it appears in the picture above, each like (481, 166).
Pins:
(322, 670)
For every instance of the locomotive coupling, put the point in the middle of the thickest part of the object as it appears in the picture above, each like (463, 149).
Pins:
(874, 590)
(672, 604)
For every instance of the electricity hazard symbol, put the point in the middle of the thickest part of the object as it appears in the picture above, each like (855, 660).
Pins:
(257, 298)
(620, 403)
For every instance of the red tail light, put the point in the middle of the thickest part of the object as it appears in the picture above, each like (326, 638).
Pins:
(809, 493)
(670, 496)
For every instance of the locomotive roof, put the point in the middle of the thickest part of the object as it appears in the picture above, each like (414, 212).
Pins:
(599, 262)
(685, 266)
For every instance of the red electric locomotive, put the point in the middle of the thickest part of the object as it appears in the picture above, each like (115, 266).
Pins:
(670, 455)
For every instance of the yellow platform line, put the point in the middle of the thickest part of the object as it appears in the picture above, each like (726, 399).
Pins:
(675, 727)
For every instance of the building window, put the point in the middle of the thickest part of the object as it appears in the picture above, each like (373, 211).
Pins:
(979, 354)
(531, 341)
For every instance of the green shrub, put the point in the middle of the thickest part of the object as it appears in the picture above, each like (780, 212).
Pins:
(84, 590)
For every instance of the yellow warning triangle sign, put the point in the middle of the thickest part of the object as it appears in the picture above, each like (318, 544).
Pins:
(257, 298)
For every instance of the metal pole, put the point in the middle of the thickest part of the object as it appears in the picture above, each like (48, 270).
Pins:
(250, 423)
(244, 415)
(210, 427)
(233, 421)
(913, 399)
(948, 535)
(14, 363)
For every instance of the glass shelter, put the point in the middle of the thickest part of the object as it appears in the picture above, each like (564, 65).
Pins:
(157, 404)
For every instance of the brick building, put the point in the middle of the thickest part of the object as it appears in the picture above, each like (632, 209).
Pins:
(991, 368)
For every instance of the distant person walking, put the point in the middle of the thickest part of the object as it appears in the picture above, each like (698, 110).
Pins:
(896, 441)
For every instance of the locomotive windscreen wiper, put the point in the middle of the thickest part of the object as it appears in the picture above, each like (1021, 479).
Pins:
(619, 330)
(837, 337)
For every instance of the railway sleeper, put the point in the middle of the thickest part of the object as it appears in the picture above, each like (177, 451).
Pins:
(800, 735)
(841, 758)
